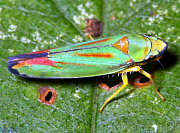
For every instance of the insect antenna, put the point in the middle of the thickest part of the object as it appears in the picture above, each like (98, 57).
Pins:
(161, 64)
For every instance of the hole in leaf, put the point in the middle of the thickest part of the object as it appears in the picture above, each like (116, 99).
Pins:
(110, 82)
(48, 96)
(144, 79)
(140, 81)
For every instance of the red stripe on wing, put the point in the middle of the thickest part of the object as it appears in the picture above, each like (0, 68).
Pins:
(96, 55)
(35, 61)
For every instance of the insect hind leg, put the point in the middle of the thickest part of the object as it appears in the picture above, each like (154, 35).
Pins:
(125, 83)
(138, 69)
(149, 76)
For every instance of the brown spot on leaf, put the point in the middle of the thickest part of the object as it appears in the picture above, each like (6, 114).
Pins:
(93, 27)
(112, 17)
(140, 81)
(154, 14)
(47, 95)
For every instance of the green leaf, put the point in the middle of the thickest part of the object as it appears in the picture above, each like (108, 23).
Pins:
(27, 26)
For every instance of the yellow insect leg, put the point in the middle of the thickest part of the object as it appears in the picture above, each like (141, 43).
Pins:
(90, 37)
(149, 76)
(138, 69)
(125, 83)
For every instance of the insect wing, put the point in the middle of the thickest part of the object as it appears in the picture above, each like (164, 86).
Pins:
(92, 58)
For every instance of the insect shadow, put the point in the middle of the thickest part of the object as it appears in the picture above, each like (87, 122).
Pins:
(58, 82)
(169, 59)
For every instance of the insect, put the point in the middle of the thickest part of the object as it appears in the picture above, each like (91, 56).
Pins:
(112, 55)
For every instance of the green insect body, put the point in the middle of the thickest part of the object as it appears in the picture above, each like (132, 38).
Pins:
(117, 54)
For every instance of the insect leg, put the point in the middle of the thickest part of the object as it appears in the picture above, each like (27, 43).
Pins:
(90, 37)
(125, 83)
(149, 76)
(138, 69)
